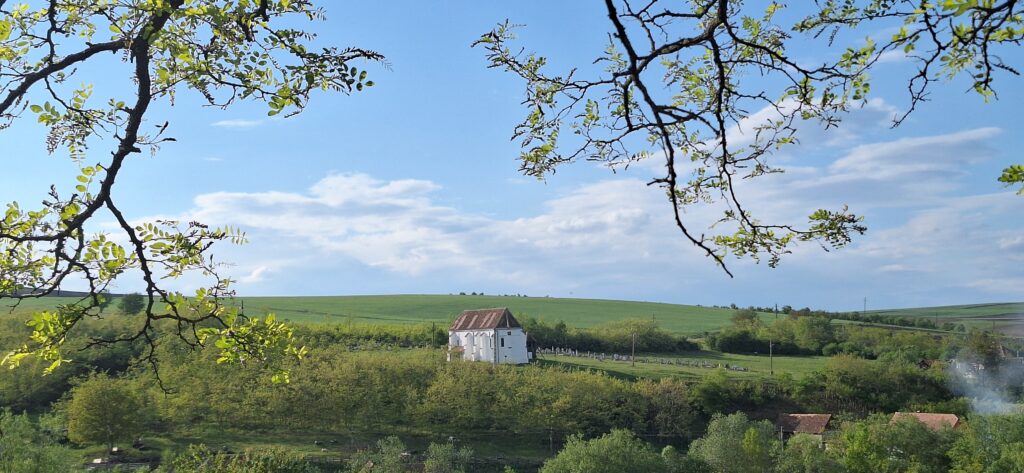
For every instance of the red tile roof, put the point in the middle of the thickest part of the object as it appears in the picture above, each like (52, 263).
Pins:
(485, 319)
(933, 421)
(803, 423)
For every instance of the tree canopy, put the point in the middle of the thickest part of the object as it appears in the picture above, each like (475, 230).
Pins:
(224, 51)
(711, 89)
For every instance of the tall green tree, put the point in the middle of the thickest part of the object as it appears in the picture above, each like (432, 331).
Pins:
(803, 454)
(132, 304)
(617, 451)
(222, 51)
(104, 410)
(676, 77)
(447, 458)
(735, 444)
(878, 446)
(989, 443)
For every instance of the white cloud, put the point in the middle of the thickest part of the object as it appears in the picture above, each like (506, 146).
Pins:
(893, 56)
(237, 123)
(616, 238)
(256, 275)
(894, 268)
(1012, 243)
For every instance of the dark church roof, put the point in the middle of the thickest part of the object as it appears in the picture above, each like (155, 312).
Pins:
(485, 319)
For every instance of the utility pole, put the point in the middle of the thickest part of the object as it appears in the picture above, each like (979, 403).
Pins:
(771, 346)
(632, 357)
(865, 312)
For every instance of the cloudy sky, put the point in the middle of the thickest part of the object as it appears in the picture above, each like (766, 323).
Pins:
(412, 187)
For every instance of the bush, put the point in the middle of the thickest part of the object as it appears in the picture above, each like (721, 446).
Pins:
(200, 459)
(614, 452)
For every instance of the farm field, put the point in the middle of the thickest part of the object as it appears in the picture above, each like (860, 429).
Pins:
(443, 308)
(757, 365)
(1007, 318)
(683, 319)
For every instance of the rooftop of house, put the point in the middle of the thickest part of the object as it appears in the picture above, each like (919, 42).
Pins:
(803, 423)
(484, 319)
(932, 420)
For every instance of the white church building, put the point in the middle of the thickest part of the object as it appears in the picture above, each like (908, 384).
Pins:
(490, 335)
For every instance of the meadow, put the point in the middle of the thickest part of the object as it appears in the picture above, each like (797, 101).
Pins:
(581, 313)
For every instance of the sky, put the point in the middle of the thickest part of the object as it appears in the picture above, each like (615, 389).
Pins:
(413, 186)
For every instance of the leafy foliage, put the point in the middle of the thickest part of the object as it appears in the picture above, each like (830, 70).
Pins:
(201, 459)
(614, 452)
(132, 304)
(103, 410)
(24, 449)
(682, 84)
(906, 445)
(225, 51)
(733, 443)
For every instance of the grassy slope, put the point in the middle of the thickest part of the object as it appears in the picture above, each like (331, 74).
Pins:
(1010, 309)
(1007, 318)
(403, 309)
(442, 309)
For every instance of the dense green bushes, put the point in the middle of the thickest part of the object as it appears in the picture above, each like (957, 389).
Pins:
(24, 448)
(810, 334)
(358, 379)
(611, 337)
(858, 386)
(737, 444)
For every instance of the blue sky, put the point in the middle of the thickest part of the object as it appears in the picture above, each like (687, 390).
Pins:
(412, 186)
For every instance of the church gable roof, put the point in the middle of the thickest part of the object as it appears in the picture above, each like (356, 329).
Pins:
(485, 319)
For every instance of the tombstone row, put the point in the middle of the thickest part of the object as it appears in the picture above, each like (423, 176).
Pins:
(616, 357)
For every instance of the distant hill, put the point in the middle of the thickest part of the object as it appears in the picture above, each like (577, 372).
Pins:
(68, 294)
(1007, 317)
(443, 308)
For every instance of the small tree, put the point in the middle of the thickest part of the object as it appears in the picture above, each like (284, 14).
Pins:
(103, 410)
(132, 304)
(734, 444)
(445, 458)
(614, 452)
(803, 454)
(386, 458)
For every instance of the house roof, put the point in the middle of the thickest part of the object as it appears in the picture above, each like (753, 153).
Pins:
(803, 423)
(485, 319)
(932, 420)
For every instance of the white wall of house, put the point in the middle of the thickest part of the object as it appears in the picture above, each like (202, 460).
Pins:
(508, 345)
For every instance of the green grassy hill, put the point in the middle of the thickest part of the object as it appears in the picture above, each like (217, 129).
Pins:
(1006, 309)
(686, 319)
(442, 309)
(1006, 317)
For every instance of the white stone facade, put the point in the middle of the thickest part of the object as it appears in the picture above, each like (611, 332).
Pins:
(499, 345)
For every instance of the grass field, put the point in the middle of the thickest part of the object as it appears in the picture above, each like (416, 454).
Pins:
(443, 309)
(1007, 318)
(685, 319)
(409, 309)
